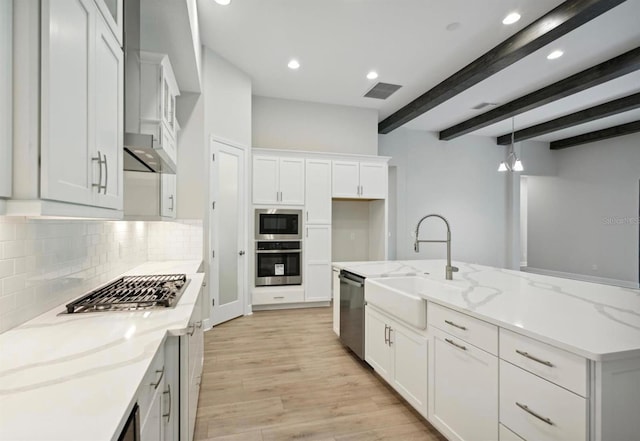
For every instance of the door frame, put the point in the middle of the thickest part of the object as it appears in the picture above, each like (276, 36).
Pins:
(209, 242)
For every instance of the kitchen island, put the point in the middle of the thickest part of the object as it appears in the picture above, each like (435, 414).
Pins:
(77, 376)
(572, 348)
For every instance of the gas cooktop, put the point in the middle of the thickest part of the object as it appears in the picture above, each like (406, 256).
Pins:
(132, 293)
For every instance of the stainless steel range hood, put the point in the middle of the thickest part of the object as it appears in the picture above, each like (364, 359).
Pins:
(142, 152)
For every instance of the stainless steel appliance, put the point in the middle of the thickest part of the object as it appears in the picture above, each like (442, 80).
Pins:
(131, 430)
(352, 312)
(278, 224)
(278, 263)
(132, 293)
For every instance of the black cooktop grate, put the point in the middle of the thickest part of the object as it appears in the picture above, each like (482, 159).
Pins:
(132, 293)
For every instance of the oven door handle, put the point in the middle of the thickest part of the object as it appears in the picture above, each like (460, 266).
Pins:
(277, 251)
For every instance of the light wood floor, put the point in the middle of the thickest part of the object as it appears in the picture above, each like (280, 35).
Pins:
(283, 375)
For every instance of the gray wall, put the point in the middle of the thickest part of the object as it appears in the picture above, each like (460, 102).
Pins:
(298, 125)
(457, 179)
(585, 219)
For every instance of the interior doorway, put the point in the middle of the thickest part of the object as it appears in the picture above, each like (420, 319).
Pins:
(227, 233)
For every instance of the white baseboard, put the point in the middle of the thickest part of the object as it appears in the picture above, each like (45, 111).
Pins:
(581, 277)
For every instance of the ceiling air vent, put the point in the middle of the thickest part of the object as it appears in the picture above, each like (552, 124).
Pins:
(483, 105)
(382, 91)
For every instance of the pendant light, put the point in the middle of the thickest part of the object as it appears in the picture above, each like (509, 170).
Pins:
(513, 163)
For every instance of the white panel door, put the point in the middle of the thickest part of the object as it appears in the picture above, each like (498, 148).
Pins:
(265, 180)
(5, 97)
(109, 132)
(373, 180)
(228, 233)
(318, 191)
(410, 366)
(345, 179)
(317, 274)
(168, 195)
(463, 388)
(68, 172)
(377, 351)
(291, 176)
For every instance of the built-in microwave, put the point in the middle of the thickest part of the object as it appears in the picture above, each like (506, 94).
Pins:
(278, 224)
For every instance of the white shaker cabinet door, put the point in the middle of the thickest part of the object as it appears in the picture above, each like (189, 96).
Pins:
(68, 101)
(373, 180)
(345, 179)
(410, 366)
(291, 181)
(168, 195)
(463, 388)
(265, 180)
(318, 191)
(317, 274)
(378, 352)
(5, 97)
(109, 94)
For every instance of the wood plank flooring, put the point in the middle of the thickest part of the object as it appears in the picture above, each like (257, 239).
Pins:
(283, 375)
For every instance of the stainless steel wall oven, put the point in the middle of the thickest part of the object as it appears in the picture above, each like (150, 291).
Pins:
(278, 263)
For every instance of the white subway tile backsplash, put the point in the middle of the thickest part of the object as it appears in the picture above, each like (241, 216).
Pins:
(45, 263)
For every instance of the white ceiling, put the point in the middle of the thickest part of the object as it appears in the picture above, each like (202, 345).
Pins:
(338, 41)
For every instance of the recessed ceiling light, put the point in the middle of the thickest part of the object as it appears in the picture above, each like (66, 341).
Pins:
(555, 54)
(293, 64)
(372, 75)
(511, 18)
(223, 2)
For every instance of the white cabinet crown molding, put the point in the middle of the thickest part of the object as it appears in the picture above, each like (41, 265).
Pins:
(321, 155)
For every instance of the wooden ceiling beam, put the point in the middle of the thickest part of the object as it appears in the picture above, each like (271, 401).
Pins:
(599, 135)
(599, 74)
(560, 21)
(610, 108)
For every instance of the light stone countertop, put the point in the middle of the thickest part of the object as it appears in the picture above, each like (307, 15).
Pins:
(599, 322)
(74, 377)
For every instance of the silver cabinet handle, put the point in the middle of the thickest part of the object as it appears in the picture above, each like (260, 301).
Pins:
(191, 328)
(199, 324)
(531, 357)
(386, 339)
(172, 203)
(390, 329)
(278, 297)
(241, 253)
(168, 414)
(101, 161)
(307, 215)
(307, 231)
(531, 412)
(450, 323)
(451, 342)
(106, 174)
(157, 383)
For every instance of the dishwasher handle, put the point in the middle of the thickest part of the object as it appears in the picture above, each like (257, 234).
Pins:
(351, 282)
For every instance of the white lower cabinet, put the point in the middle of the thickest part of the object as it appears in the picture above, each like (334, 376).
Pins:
(463, 388)
(157, 418)
(191, 362)
(398, 354)
(539, 410)
(507, 435)
(336, 301)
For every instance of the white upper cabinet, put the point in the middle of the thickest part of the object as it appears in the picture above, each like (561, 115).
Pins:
(359, 180)
(6, 120)
(318, 191)
(168, 195)
(114, 17)
(81, 107)
(278, 180)
(109, 96)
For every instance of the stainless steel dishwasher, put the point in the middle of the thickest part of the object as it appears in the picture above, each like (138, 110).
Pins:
(352, 312)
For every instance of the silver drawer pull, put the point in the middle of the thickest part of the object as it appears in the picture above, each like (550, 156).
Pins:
(450, 323)
(278, 297)
(168, 414)
(531, 357)
(531, 412)
(156, 384)
(451, 342)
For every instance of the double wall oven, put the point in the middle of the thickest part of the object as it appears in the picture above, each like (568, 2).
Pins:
(278, 234)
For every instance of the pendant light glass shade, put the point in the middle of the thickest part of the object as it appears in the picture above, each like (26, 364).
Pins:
(512, 164)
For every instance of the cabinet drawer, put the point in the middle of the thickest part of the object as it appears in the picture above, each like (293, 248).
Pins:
(270, 298)
(507, 435)
(477, 332)
(538, 410)
(148, 388)
(556, 365)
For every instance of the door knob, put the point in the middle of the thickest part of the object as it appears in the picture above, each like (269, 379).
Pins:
(241, 253)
